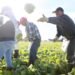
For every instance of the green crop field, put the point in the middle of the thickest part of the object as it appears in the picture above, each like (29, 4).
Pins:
(52, 61)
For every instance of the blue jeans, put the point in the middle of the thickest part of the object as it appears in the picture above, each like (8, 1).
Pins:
(33, 51)
(6, 49)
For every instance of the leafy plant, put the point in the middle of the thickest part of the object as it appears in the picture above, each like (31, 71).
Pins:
(52, 61)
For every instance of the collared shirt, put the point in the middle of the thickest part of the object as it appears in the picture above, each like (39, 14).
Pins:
(32, 32)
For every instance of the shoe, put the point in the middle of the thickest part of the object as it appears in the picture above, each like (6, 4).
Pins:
(9, 68)
(70, 66)
(24, 63)
(37, 58)
(16, 54)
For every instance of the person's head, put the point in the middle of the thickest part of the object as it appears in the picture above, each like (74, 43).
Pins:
(7, 11)
(23, 21)
(59, 11)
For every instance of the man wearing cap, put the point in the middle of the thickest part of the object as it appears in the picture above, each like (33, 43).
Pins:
(66, 28)
(34, 37)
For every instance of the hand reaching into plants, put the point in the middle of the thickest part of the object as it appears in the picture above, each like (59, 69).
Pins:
(55, 39)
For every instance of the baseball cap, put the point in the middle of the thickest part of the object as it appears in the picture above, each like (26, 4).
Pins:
(58, 9)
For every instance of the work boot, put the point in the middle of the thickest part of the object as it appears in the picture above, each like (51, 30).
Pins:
(16, 53)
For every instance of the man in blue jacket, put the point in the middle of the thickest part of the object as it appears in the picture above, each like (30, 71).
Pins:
(33, 36)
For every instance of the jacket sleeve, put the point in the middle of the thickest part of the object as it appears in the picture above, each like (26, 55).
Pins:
(54, 20)
(58, 32)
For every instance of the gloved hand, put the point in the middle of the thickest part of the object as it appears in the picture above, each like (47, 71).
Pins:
(55, 39)
(43, 19)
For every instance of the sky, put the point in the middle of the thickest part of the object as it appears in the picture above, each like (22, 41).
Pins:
(47, 31)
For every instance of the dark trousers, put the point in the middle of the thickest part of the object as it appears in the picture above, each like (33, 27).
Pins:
(71, 52)
(33, 51)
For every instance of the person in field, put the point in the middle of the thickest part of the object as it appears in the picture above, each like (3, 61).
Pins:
(66, 28)
(7, 40)
(7, 11)
(34, 37)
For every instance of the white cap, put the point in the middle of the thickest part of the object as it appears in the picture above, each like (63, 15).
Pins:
(6, 10)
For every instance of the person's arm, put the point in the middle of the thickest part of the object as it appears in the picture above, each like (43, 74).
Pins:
(59, 33)
(30, 33)
(53, 20)
(56, 38)
(36, 32)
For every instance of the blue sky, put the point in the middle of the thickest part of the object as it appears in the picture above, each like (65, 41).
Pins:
(42, 7)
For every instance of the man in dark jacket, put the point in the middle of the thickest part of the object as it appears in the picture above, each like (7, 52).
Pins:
(7, 40)
(7, 11)
(66, 28)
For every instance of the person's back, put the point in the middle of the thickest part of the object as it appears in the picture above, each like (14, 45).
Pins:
(7, 32)
(66, 26)
(32, 31)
